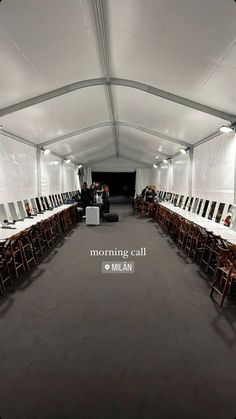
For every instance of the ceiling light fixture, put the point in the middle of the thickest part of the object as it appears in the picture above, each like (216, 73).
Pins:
(46, 151)
(68, 160)
(183, 151)
(225, 129)
(165, 161)
(157, 157)
(155, 166)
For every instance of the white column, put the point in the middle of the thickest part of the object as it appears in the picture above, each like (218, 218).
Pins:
(235, 169)
(62, 176)
(170, 176)
(38, 157)
(190, 172)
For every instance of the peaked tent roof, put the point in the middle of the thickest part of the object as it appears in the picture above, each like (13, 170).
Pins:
(96, 79)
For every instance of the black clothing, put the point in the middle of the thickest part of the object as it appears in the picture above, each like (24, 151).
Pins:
(106, 203)
(93, 193)
(143, 192)
(86, 198)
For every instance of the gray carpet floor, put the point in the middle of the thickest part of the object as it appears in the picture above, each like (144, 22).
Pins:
(79, 344)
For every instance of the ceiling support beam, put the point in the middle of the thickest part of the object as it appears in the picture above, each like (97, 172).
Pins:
(103, 43)
(94, 161)
(118, 82)
(154, 133)
(173, 98)
(29, 143)
(208, 138)
(74, 133)
(116, 124)
(17, 138)
(51, 95)
(144, 150)
(136, 161)
(137, 150)
(94, 147)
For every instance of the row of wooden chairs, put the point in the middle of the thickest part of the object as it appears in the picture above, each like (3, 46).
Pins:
(213, 254)
(225, 272)
(23, 250)
(143, 208)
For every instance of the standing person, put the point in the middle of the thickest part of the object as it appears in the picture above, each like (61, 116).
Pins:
(86, 198)
(126, 191)
(93, 192)
(105, 199)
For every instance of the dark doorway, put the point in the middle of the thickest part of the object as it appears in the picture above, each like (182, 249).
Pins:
(120, 184)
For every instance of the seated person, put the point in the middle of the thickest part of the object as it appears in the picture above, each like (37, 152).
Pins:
(28, 210)
(149, 195)
(227, 221)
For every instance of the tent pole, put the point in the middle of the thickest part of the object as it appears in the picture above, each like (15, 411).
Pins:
(38, 157)
(190, 172)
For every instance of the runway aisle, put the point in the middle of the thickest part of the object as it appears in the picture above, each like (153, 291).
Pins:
(79, 344)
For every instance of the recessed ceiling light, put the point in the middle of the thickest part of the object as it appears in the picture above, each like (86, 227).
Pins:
(165, 161)
(155, 166)
(47, 151)
(157, 157)
(183, 151)
(68, 160)
(225, 129)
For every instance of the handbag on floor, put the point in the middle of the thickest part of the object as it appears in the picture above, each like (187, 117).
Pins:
(109, 217)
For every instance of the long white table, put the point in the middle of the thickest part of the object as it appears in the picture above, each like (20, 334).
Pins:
(6, 233)
(219, 229)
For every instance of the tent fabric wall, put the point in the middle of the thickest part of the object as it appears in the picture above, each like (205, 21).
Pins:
(180, 166)
(51, 174)
(213, 169)
(164, 178)
(70, 178)
(213, 172)
(88, 176)
(143, 178)
(18, 170)
(155, 177)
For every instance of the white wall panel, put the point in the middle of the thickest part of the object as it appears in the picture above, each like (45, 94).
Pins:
(180, 173)
(143, 179)
(70, 177)
(213, 168)
(18, 170)
(51, 174)
(164, 178)
(155, 177)
(88, 176)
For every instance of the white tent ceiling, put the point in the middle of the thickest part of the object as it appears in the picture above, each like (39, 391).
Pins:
(97, 79)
